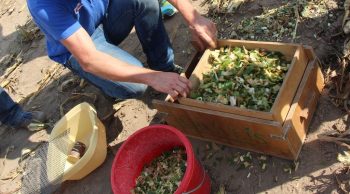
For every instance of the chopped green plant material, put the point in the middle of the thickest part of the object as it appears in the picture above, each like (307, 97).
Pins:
(222, 190)
(163, 174)
(262, 162)
(243, 78)
(241, 161)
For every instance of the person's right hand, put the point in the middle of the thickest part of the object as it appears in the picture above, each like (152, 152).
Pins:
(204, 33)
(171, 83)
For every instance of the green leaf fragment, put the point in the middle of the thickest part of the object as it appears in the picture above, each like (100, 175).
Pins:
(163, 174)
(243, 78)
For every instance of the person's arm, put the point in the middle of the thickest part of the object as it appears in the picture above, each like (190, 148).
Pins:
(108, 67)
(204, 31)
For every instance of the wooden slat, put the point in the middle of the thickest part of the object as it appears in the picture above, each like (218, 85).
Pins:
(287, 49)
(304, 105)
(234, 130)
(227, 108)
(290, 85)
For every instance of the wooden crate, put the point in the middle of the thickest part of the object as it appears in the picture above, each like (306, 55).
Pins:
(251, 132)
(293, 52)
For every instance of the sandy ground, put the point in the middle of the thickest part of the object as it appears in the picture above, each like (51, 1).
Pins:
(39, 76)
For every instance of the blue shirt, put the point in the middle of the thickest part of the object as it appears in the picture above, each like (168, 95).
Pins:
(59, 19)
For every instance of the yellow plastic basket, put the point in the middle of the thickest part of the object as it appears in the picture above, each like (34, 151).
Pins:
(81, 124)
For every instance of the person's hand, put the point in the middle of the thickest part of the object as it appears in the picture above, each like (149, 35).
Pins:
(203, 32)
(171, 83)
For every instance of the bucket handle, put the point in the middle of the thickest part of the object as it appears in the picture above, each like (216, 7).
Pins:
(200, 184)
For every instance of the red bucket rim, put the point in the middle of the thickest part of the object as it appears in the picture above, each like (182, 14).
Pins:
(186, 143)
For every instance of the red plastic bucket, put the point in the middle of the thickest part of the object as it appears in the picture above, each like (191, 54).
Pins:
(147, 144)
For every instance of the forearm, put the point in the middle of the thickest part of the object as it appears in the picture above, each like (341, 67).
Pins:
(203, 30)
(186, 8)
(108, 67)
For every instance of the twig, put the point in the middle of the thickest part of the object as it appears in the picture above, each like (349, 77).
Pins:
(340, 184)
(26, 155)
(328, 138)
(5, 83)
(346, 106)
(337, 140)
(8, 150)
(296, 12)
(337, 34)
(108, 115)
(11, 69)
(82, 83)
(42, 83)
(11, 178)
(342, 74)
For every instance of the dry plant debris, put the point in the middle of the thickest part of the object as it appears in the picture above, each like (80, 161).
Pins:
(344, 158)
(241, 161)
(163, 174)
(7, 6)
(342, 177)
(346, 19)
(273, 24)
(8, 150)
(341, 139)
(28, 32)
(11, 69)
(243, 78)
(313, 9)
(292, 167)
(223, 6)
(222, 190)
(52, 74)
(338, 83)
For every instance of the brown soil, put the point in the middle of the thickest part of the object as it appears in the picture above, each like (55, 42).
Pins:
(317, 162)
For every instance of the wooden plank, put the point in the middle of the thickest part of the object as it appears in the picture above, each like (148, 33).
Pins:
(304, 105)
(305, 97)
(282, 104)
(227, 108)
(229, 129)
(290, 85)
(287, 49)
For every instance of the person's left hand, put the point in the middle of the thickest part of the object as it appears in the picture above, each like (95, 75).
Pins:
(203, 32)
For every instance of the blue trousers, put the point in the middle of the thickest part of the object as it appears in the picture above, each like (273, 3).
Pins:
(10, 112)
(121, 17)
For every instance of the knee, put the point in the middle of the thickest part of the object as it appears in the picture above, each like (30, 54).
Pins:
(126, 90)
(149, 5)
